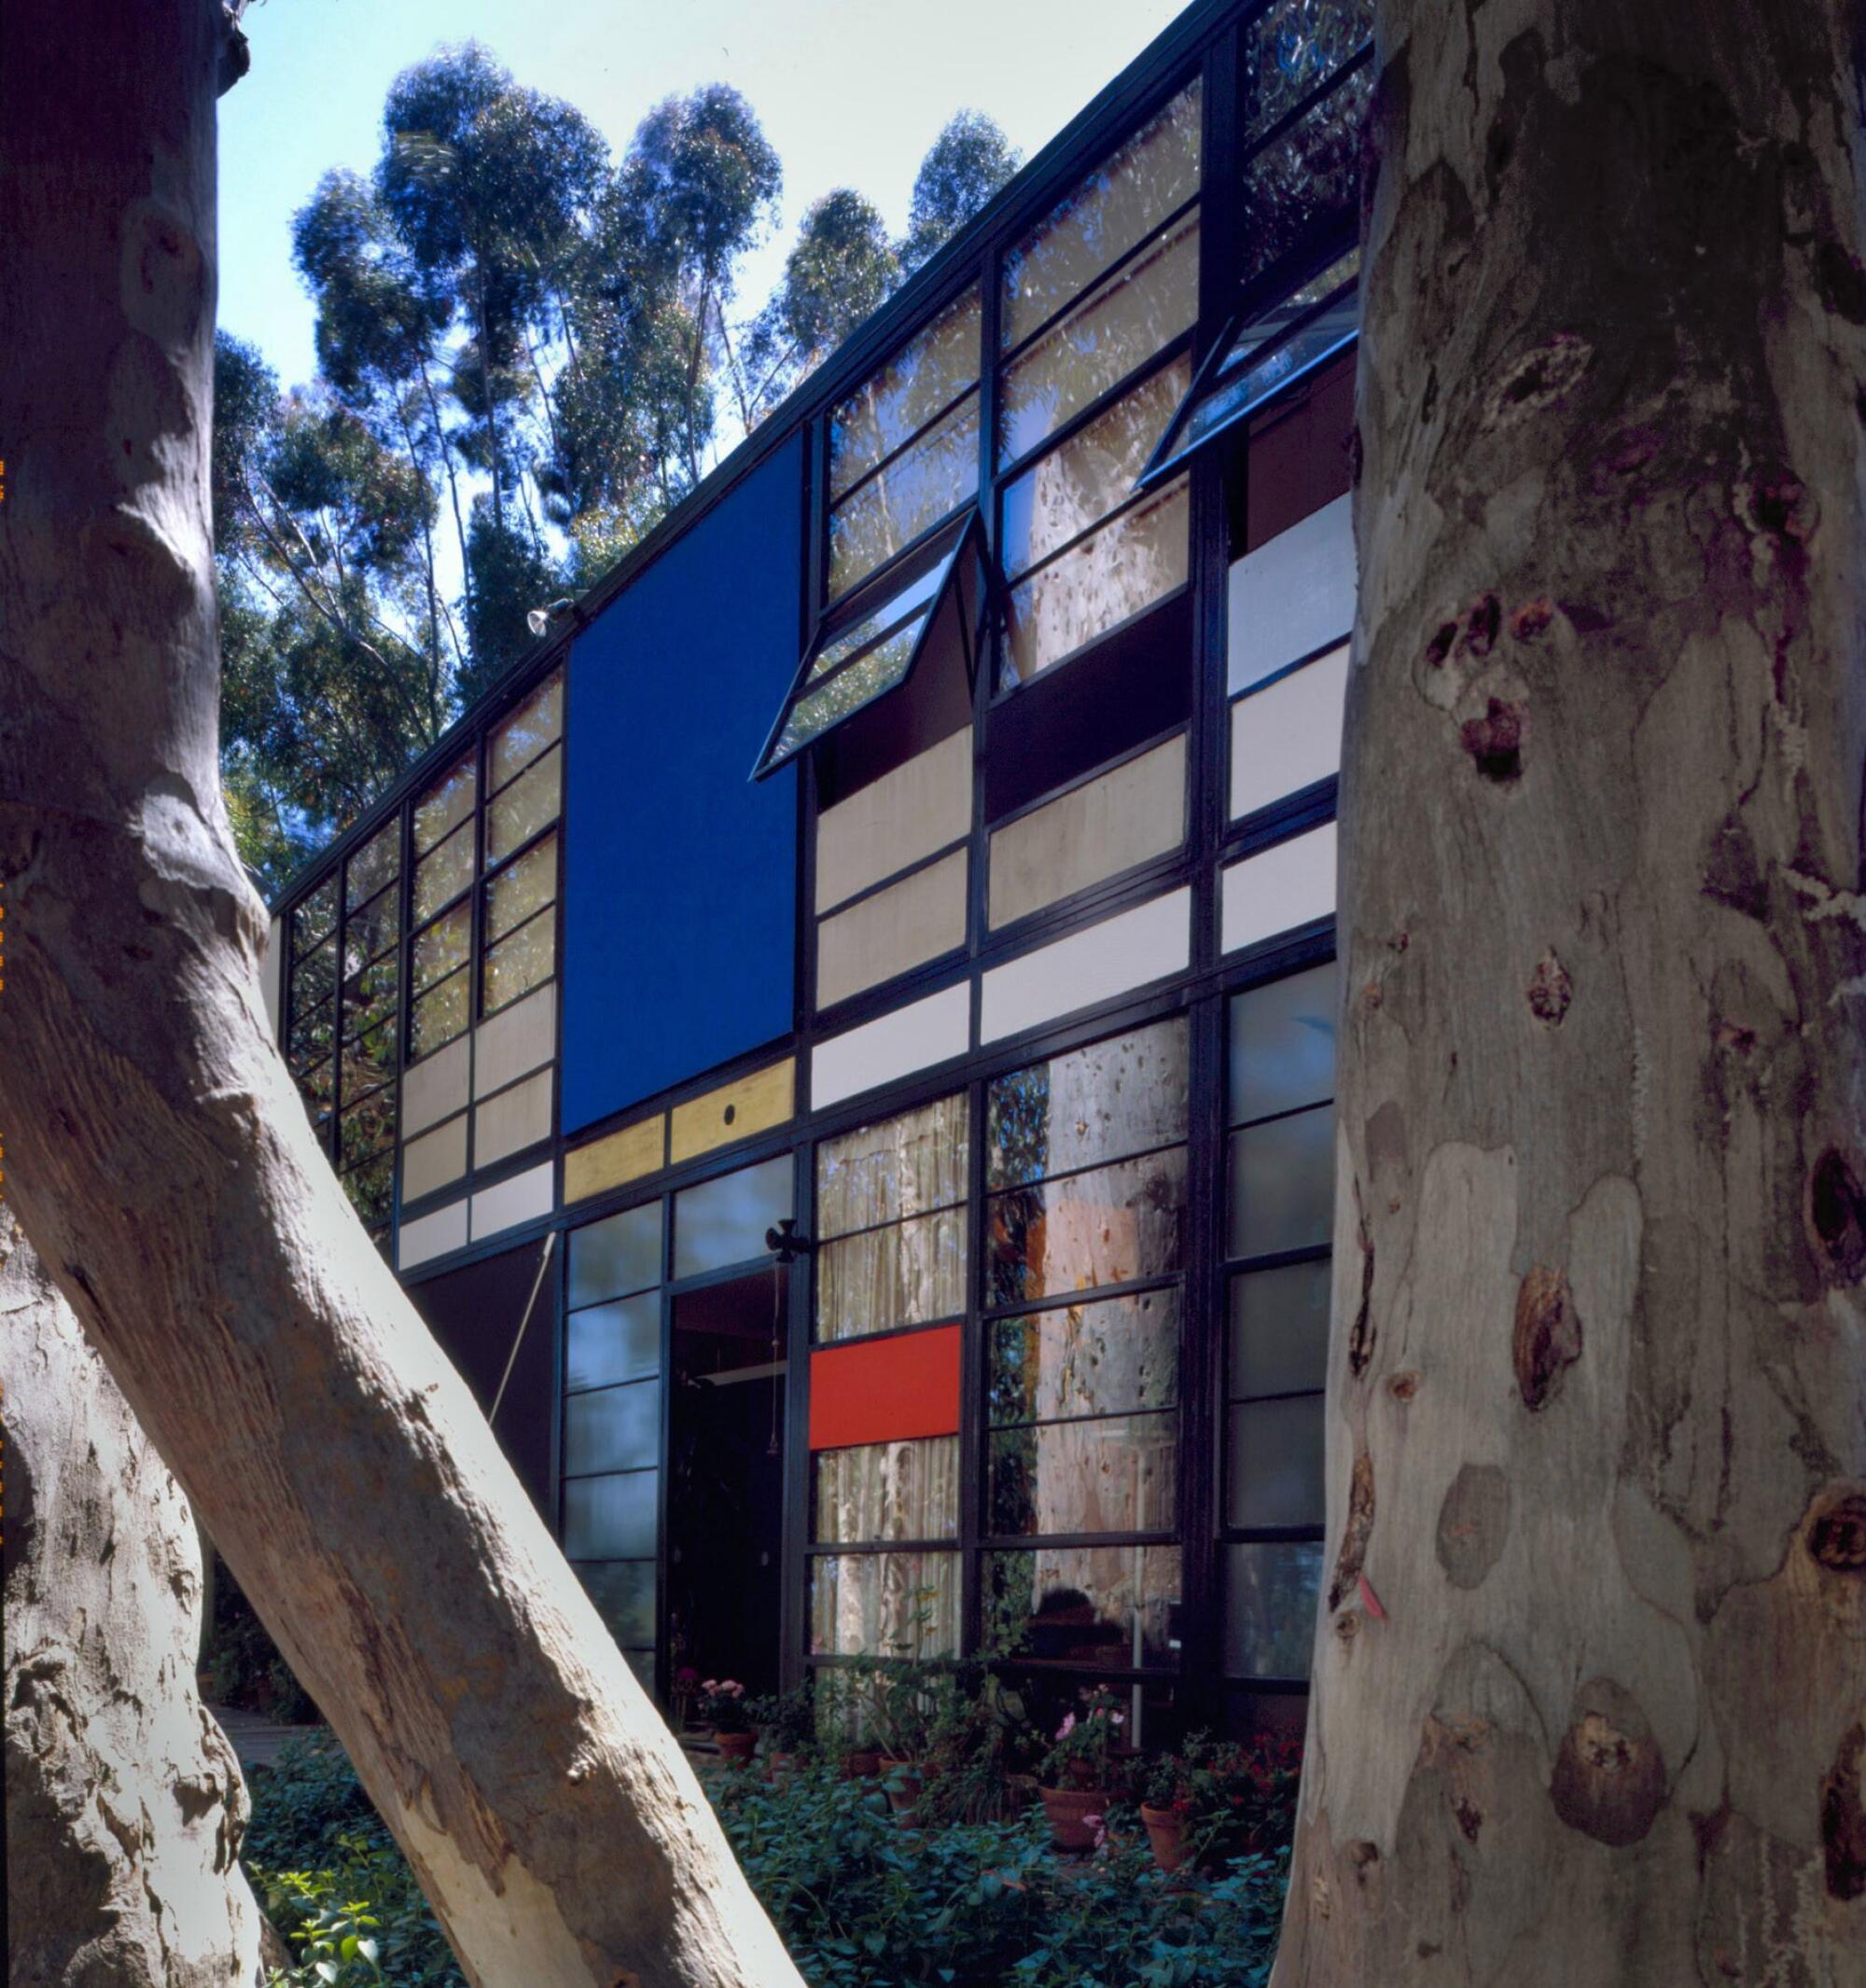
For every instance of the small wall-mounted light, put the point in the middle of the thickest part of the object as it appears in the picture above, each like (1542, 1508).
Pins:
(785, 1243)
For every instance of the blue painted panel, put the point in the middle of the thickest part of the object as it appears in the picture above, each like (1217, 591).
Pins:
(681, 899)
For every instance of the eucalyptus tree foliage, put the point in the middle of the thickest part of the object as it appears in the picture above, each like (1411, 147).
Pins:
(964, 165)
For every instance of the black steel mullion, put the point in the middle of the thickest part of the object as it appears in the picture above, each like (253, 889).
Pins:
(974, 1367)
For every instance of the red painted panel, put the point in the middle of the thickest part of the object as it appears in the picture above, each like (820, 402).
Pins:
(886, 1390)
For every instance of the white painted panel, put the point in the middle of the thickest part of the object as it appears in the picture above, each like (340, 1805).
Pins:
(433, 1158)
(270, 968)
(911, 1037)
(521, 1199)
(515, 1040)
(436, 1087)
(513, 1120)
(895, 821)
(1280, 888)
(904, 926)
(1291, 595)
(1127, 950)
(1288, 736)
(433, 1235)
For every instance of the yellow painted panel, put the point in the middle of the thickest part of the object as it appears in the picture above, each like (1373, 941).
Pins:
(618, 1157)
(734, 1111)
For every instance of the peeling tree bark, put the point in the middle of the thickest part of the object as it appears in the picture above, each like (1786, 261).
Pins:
(124, 1802)
(158, 1157)
(1597, 1430)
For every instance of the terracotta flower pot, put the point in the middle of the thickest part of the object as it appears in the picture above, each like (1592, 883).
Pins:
(781, 1766)
(864, 1764)
(903, 1781)
(735, 1748)
(1069, 1811)
(1167, 1833)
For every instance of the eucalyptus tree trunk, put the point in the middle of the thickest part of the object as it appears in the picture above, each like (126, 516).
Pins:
(156, 1155)
(1590, 1699)
(124, 1802)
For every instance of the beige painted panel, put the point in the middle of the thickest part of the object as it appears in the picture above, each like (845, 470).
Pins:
(271, 969)
(1096, 830)
(521, 1199)
(902, 816)
(734, 1111)
(433, 1158)
(618, 1157)
(515, 1041)
(434, 1235)
(513, 1120)
(904, 926)
(437, 1087)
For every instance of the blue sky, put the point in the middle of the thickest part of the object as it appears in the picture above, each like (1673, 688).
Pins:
(851, 92)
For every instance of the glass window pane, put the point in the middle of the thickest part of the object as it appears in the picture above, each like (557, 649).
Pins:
(909, 1274)
(906, 394)
(897, 606)
(887, 1491)
(1290, 46)
(1106, 1227)
(445, 805)
(1118, 1096)
(617, 1428)
(1115, 206)
(724, 1222)
(314, 916)
(623, 1593)
(1271, 1590)
(1153, 300)
(444, 873)
(1309, 177)
(605, 1343)
(1282, 1183)
(366, 1127)
(1099, 1607)
(900, 1166)
(369, 996)
(1104, 1357)
(524, 887)
(373, 927)
(861, 683)
(885, 1605)
(444, 946)
(1132, 561)
(1119, 1474)
(519, 739)
(314, 975)
(526, 806)
(517, 965)
(611, 1257)
(320, 1085)
(373, 864)
(313, 1031)
(369, 1060)
(610, 1518)
(440, 1016)
(1283, 1045)
(371, 1190)
(924, 482)
(1279, 1329)
(1274, 1463)
(1091, 474)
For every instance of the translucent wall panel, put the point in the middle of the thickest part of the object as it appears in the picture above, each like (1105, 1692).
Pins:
(610, 1518)
(881, 1490)
(893, 930)
(624, 1591)
(896, 1167)
(1288, 735)
(1282, 1046)
(908, 1274)
(1099, 1607)
(1279, 1329)
(1151, 941)
(620, 1340)
(1275, 1454)
(513, 1120)
(618, 1255)
(515, 1042)
(1282, 1183)
(885, 1605)
(918, 808)
(896, 402)
(435, 1158)
(1287, 886)
(437, 1088)
(1293, 595)
(523, 1198)
(613, 1428)
(432, 1235)
(1271, 1591)
(724, 1222)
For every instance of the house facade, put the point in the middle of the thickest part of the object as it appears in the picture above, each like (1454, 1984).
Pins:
(839, 1045)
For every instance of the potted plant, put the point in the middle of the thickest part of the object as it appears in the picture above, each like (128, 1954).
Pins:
(905, 1705)
(1165, 1809)
(787, 1720)
(1077, 1775)
(722, 1707)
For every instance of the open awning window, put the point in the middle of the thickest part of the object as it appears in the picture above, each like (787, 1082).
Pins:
(1263, 353)
(933, 601)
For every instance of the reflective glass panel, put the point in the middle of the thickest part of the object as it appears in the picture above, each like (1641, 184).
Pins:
(906, 497)
(885, 1605)
(1282, 1183)
(519, 739)
(887, 1491)
(444, 946)
(615, 1428)
(517, 965)
(319, 1084)
(886, 618)
(445, 805)
(373, 864)
(373, 927)
(1106, 1357)
(369, 996)
(371, 1189)
(623, 1593)
(908, 1274)
(905, 394)
(880, 670)
(1091, 474)
(439, 1015)
(610, 1518)
(1120, 1096)
(369, 1060)
(605, 1343)
(900, 1166)
(444, 872)
(1108, 1226)
(313, 1031)
(527, 886)
(1279, 1329)
(1115, 206)
(1270, 1591)
(526, 806)
(616, 1255)
(314, 975)
(1274, 1465)
(1283, 1045)
(1132, 561)
(1290, 48)
(1098, 1606)
(366, 1127)
(1115, 1474)
(1309, 176)
(314, 916)
(724, 1222)
(1119, 328)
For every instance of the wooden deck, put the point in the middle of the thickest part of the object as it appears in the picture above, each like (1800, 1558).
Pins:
(258, 1741)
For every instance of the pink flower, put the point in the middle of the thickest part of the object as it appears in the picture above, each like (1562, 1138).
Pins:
(1067, 1727)
(1118, 1718)
(712, 1684)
